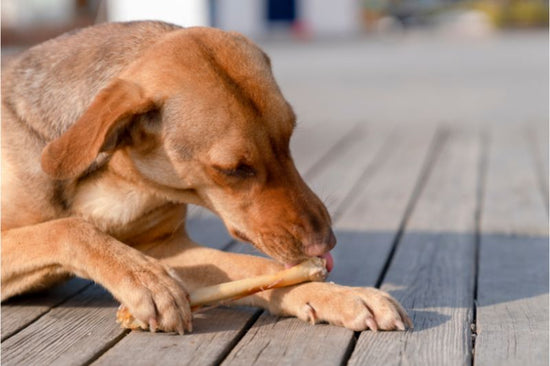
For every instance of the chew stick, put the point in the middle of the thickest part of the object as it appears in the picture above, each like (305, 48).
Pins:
(312, 269)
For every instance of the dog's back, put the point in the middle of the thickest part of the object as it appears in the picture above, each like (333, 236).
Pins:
(44, 91)
(50, 85)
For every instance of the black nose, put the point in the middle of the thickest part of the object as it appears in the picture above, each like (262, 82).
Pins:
(320, 244)
(331, 240)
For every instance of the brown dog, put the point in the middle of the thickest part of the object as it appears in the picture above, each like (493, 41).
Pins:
(108, 132)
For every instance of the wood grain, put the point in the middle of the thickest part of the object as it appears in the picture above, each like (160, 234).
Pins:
(70, 334)
(512, 203)
(21, 311)
(287, 341)
(432, 272)
(512, 313)
(214, 333)
(311, 144)
(537, 139)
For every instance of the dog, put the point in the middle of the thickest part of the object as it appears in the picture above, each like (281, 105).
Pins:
(108, 132)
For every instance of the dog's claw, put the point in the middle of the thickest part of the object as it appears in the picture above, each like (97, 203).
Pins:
(311, 317)
(409, 322)
(371, 323)
(399, 325)
(153, 325)
(180, 330)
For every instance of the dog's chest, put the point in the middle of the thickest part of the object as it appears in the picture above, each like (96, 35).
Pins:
(111, 203)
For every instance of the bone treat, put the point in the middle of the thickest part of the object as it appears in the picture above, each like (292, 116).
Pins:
(312, 269)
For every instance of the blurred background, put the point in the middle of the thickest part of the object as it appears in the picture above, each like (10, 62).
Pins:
(387, 61)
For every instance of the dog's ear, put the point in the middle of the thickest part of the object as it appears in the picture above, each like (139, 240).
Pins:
(111, 110)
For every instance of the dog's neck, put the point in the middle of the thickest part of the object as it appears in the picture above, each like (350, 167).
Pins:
(117, 199)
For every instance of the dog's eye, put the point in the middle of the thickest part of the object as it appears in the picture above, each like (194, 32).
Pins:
(240, 171)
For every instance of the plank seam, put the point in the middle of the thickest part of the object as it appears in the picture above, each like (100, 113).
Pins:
(377, 161)
(349, 350)
(436, 145)
(107, 347)
(55, 305)
(231, 345)
(344, 142)
(480, 197)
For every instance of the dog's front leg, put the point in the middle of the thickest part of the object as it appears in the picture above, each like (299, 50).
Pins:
(31, 255)
(352, 307)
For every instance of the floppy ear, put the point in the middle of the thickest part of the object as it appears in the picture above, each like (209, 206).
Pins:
(73, 152)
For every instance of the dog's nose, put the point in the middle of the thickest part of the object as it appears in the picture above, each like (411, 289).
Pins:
(319, 245)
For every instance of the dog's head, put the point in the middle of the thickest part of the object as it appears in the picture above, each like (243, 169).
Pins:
(201, 117)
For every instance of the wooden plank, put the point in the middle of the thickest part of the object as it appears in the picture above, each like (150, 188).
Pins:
(20, 311)
(214, 333)
(537, 137)
(348, 164)
(286, 341)
(371, 221)
(278, 343)
(512, 203)
(311, 143)
(70, 334)
(512, 312)
(432, 271)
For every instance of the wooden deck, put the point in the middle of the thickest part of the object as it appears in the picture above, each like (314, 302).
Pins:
(452, 221)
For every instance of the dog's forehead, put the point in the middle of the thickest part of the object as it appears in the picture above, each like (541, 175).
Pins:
(228, 83)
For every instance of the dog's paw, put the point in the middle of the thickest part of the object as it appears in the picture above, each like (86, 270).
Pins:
(155, 296)
(355, 308)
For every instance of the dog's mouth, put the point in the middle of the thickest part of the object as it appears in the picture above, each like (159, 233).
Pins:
(329, 261)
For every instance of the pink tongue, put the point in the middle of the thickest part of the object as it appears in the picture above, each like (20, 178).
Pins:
(330, 261)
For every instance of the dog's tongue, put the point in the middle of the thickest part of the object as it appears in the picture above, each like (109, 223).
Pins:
(330, 261)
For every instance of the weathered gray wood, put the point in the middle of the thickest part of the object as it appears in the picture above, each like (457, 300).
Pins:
(286, 341)
(214, 333)
(512, 312)
(327, 345)
(23, 310)
(537, 137)
(432, 272)
(348, 164)
(70, 334)
(512, 201)
(311, 143)
(370, 222)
